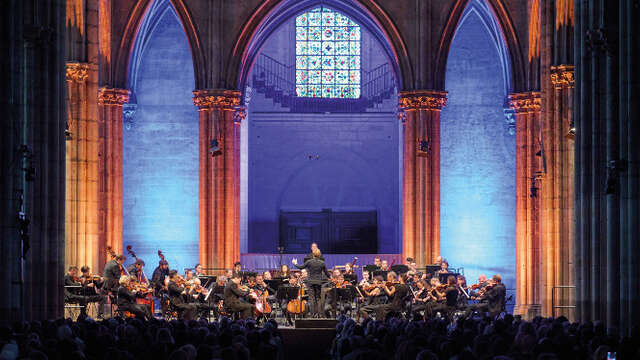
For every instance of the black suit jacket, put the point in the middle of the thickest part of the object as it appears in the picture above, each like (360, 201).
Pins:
(310, 256)
(232, 295)
(175, 293)
(111, 275)
(496, 298)
(317, 271)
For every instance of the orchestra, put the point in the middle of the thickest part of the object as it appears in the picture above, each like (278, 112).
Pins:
(310, 290)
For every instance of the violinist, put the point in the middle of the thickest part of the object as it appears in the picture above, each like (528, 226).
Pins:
(366, 279)
(413, 267)
(463, 294)
(384, 265)
(492, 299)
(75, 290)
(318, 274)
(422, 299)
(127, 295)
(377, 262)
(93, 282)
(198, 296)
(477, 287)
(233, 294)
(444, 267)
(450, 297)
(177, 291)
(136, 271)
(188, 275)
(112, 272)
(334, 304)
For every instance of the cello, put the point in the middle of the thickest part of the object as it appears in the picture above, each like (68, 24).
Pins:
(297, 305)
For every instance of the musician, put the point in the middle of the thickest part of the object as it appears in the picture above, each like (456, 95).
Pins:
(127, 299)
(349, 275)
(413, 267)
(448, 301)
(423, 300)
(463, 294)
(309, 256)
(198, 295)
(94, 282)
(477, 287)
(233, 294)
(492, 300)
(198, 270)
(285, 272)
(112, 272)
(384, 265)
(176, 293)
(365, 279)
(377, 262)
(444, 267)
(188, 275)
(267, 275)
(136, 271)
(318, 274)
(237, 270)
(78, 290)
(159, 275)
(396, 292)
(292, 283)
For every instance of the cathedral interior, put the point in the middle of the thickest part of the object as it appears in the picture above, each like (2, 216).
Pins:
(496, 133)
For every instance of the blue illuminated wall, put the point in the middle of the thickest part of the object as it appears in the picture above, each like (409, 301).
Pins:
(329, 159)
(160, 205)
(478, 154)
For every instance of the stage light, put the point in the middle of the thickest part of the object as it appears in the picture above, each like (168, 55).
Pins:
(214, 148)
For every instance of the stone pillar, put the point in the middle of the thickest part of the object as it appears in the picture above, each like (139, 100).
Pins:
(82, 196)
(528, 176)
(110, 103)
(606, 162)
(421, 173)
(220, 117)
(557, 193)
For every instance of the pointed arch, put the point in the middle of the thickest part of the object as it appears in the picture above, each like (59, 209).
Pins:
(272, 13)
(127, 43)
(507, 32)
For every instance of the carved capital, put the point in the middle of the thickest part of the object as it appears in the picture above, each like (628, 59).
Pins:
(77, 72)
(216, 99)
(111, 96)
(422, 100)
(562, 76)
(525, 102)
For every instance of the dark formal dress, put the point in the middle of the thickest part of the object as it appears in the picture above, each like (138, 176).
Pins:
(234, 303)
(318, 274)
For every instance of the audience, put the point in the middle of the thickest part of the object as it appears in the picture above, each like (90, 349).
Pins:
(480, 338)
(117, 339)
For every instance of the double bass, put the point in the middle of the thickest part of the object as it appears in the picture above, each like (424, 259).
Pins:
(148, 298)
(113, 255)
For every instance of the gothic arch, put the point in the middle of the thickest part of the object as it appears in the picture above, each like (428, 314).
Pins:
(507, 31)
(272, 13)
(126, 48)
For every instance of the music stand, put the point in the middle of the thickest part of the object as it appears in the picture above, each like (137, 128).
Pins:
(287, 293)
(371, 268)
(274, 283)
(431, 269)
(381, 273)
(400, 269)
(443, 277)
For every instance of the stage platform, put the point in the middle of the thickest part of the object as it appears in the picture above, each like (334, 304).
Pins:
(309, 339)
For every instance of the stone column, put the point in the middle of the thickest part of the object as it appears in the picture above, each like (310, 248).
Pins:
(528, 176)
(421, 173)
(220, 117)
(82, 197)
(110, 102)
(557, 192)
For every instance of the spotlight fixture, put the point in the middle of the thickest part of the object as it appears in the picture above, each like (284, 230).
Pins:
(214, 148)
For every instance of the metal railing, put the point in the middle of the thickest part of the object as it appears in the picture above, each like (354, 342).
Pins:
(553, 299)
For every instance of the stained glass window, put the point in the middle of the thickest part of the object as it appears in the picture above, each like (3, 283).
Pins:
(327, 55)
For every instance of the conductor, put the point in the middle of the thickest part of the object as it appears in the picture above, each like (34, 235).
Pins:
(318, 274)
